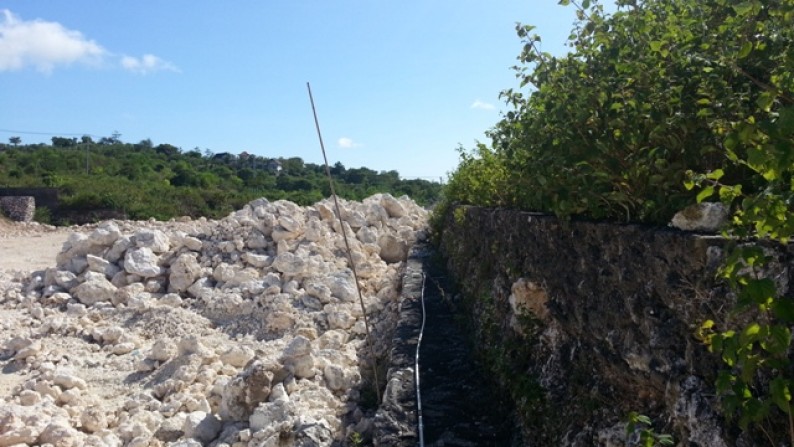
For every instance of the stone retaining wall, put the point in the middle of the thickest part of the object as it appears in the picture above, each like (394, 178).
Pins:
(18, 208)
(585, 322)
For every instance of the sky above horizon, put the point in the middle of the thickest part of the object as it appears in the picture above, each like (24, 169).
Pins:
(397, 85)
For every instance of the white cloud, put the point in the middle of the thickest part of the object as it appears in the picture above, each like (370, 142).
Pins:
(477, 104)
(347, 143)
(42, 45)
(45, 45)
(148, 63)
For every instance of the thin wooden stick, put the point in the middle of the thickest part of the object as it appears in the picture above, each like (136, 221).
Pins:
(347, 245)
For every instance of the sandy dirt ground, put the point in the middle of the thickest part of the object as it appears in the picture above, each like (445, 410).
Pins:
(28, 247)
(30, 252)
(25, 248)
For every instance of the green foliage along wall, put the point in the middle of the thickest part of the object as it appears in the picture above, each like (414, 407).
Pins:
(656, 90)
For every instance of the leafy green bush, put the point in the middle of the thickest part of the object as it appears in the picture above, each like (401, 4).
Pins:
(647, 93)
(42, 215)
(754, 341)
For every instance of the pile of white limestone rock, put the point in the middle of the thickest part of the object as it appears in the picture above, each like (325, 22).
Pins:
(245, 331)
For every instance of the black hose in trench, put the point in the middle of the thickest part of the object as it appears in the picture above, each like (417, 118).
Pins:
(416, 370)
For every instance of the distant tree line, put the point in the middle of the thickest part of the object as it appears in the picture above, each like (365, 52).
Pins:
(110, 178)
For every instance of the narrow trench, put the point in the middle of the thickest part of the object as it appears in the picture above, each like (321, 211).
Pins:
(460, 404)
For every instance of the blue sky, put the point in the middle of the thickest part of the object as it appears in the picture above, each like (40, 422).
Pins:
(398, 85)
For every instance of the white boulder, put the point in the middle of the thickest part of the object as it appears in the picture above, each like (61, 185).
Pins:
(155, 240)
(95, 289)
(184, 272)
(392, 249)
(142, 262)
(392, 206)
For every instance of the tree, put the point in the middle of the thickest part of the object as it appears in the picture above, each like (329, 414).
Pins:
(15, 141)
(389, 177)
(86, 139)
(294, 183)
(247, 175)
(165, 149)
(360, 175)
(293, 165)
(194, 153)
(338, 169)
(144, 144)
(64, 142)
(186, 175)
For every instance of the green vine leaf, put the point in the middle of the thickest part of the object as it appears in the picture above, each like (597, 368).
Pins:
(704, 194)
(747, 47)
(780, 390)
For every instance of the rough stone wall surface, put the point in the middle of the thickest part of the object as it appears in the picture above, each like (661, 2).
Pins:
(622, 303)
(18, 208)
(396, 419)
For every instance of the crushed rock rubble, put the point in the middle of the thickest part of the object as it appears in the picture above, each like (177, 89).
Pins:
(243, 331)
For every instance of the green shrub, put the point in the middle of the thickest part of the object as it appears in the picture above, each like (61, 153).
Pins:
(646, 94)
(42, 215)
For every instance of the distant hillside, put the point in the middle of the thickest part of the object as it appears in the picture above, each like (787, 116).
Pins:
(139, 181)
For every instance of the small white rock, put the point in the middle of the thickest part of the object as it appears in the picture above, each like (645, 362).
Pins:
(705, 216)
(123, 348)
(29, 397)
(68, 381)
